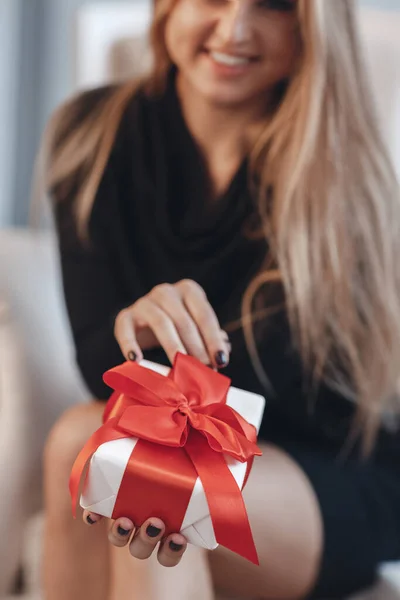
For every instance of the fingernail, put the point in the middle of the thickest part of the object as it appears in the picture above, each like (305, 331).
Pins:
(122, 531)
(132, 356)
(153, 531)
(90, 520)
(175, 547)
(221, 359)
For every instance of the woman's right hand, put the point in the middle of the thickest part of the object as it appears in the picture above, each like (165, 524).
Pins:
(177, 317)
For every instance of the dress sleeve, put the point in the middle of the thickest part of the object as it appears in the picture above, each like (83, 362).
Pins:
(92, 302)
(93, 295)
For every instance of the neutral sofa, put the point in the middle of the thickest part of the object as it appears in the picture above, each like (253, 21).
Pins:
(38, 376)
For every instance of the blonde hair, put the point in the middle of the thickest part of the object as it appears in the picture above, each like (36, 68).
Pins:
(334, 221)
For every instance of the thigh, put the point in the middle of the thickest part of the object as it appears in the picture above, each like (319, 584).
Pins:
(66, 439)
(75, 558)
(287, 527)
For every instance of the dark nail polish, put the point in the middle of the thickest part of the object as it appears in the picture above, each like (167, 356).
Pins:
(221, 359)
(153, 531)
(175, 547)
(132, 356)
(122, 531)
(90, 520)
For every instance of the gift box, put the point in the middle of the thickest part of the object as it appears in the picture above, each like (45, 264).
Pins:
(177, 444)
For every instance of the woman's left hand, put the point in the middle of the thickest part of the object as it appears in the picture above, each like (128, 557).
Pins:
(143, 540)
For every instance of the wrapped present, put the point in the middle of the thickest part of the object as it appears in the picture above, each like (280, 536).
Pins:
(175, 444)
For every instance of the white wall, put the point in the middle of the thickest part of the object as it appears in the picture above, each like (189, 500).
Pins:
(384, 4)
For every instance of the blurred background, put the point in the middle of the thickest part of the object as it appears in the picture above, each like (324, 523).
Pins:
(50, 49)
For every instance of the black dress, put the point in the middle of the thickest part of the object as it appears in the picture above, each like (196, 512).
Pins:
(153, 222)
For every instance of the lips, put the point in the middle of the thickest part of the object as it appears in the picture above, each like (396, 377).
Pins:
(231, 59)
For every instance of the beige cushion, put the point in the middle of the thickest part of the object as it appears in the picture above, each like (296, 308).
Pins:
(38, 379)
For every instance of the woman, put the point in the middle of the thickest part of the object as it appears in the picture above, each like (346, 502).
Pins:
(244, 174)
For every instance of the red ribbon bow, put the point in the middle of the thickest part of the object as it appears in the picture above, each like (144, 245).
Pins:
(184, 428)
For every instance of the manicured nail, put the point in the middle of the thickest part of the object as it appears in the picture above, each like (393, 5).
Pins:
(90, 520)
(175, 547)
(132, 356)
(122, 531)
(153, 531)
(221, 359)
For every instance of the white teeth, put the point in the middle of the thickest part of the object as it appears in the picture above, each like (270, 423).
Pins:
(229, 60)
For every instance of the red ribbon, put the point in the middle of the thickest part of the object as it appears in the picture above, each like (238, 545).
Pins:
(184, 428)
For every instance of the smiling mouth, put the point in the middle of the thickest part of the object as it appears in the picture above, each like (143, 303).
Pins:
(231, 60)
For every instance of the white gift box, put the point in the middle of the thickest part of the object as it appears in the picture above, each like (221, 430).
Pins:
(108, 464)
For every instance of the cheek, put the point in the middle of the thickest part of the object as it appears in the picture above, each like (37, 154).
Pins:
(185, 32)
(282, 47)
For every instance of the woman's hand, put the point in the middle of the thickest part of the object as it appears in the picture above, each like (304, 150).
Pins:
(176, 317)
(143, 540)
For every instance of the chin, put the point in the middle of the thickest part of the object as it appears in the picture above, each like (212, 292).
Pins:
(228, 101)
(229, 98)
(228, 93)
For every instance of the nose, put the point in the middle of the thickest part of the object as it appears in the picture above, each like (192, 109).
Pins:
(234, 25)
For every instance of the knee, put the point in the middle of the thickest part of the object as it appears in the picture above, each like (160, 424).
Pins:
(67, 437)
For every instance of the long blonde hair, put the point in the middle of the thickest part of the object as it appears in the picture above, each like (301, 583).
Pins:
(335, 217)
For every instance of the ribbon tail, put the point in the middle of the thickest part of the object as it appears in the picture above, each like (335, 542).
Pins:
(249, 467)
(227, 509)
(106, 433)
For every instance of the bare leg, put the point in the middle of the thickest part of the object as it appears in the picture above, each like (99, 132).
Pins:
(191, 579)
(148, 580)
(76, 558)
(287, 528)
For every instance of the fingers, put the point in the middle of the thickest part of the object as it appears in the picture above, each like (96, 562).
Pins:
(90, 518)
(177, 317)
(164, 329)
(200, 309)
(227, 341)
(144, 539)
(120, 532)
(171, 550)
(125, 334)
(146, 313)
(169, 299)
(150, 534)
(147, 538)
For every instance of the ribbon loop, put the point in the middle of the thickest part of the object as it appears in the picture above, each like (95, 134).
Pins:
(163, 425)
